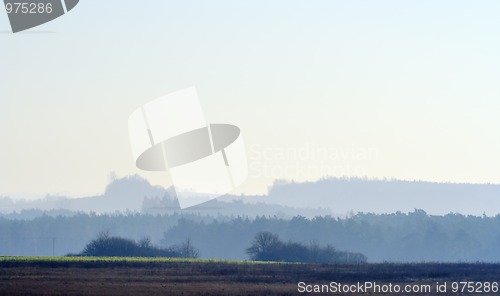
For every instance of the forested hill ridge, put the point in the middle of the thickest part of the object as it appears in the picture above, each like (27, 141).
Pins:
(335, 196)
(344, 195)
(397, 237)
(135, 194)
(125, 194)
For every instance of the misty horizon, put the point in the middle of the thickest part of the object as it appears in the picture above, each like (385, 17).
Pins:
(335, 196)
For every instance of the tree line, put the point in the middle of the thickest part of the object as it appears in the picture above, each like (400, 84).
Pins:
(267, 246)
(108, 245)
(400, 237)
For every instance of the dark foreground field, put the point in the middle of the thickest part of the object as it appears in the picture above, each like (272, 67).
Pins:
(119, 276)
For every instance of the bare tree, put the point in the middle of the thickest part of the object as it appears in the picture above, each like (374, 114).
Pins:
(263, 245)
(145, 242)
(187, 250)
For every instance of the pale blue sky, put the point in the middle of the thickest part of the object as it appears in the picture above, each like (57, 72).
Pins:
(396, 89)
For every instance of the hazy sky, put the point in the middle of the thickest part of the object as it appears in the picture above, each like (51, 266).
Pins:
(403, 89)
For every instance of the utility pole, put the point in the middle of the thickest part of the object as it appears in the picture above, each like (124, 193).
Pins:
(53, 246)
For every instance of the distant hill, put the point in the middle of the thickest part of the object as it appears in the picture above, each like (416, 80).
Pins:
(135, 194)
(344, 195)
(334, 196)
(125, 194)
